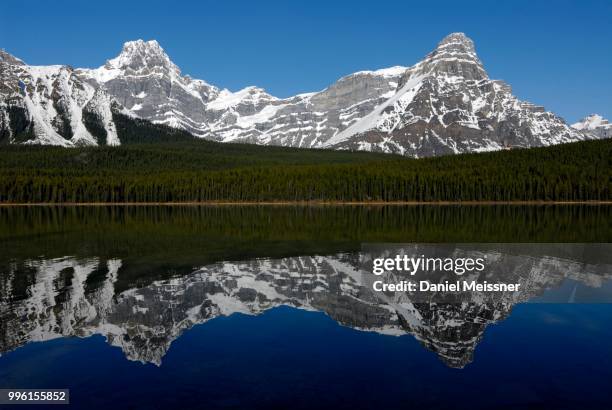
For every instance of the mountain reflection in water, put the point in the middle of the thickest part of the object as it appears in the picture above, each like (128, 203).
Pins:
(47, 298)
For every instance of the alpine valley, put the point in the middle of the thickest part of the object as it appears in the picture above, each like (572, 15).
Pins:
(444, 104)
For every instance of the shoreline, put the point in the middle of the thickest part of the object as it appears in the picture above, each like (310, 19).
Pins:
(307, 203)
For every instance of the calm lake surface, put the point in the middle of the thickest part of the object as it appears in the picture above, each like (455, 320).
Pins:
(261, 307)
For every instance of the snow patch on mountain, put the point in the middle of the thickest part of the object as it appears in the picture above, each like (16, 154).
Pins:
(381, 117)
(249, 95)
(591, 122)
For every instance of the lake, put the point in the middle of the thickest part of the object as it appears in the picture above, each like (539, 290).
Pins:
(263, 307)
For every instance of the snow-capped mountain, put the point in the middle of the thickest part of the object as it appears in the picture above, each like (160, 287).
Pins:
(595, 124)
(51, 105)
(443, 104)
(447, 104)
(144, 80)
(77, 297)
(306, 120)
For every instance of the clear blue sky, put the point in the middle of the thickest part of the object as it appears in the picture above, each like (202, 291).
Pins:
(554, 53)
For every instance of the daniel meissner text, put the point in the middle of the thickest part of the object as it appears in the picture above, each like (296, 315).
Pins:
(412, 265)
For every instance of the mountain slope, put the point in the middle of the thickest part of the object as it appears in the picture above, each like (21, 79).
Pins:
(446, 104)
(308, 120)
(50, 105)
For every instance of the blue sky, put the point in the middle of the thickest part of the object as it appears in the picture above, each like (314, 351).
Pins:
(553, 53)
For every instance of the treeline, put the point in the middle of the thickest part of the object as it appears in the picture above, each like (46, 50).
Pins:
(210, 172)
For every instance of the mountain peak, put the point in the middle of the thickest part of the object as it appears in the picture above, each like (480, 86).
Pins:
(139, 54)
(9, 58)
(456, 45)
(151, 45)
(592, 122)
(454, 56)
(457, 40)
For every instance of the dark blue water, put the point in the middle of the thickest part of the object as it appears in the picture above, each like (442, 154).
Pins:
(262, 307)
(542, 356)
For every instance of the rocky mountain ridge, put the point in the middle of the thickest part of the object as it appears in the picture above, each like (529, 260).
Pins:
(51, 105)
(444, 104)
(144, 80)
